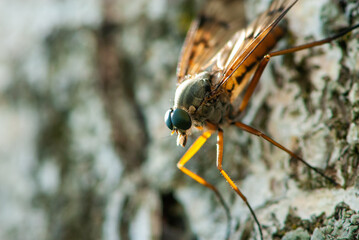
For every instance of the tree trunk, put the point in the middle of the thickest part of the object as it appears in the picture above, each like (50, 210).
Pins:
(86, 154)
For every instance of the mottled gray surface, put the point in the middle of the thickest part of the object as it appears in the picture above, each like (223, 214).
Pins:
(85, 154)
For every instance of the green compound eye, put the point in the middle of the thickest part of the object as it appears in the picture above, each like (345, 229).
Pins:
(168, 120)
(180, 119)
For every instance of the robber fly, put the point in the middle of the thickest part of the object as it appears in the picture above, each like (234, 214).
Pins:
(219, 68)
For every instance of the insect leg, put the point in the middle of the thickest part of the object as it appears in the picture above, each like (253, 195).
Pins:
(313, 44)
(267, 138)
(263, 63)
(229, 180)
(254, 81)
(186, 157)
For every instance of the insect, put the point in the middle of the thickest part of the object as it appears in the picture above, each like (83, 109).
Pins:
(219, 68)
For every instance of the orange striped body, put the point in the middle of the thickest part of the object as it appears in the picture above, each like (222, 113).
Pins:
(239, 80)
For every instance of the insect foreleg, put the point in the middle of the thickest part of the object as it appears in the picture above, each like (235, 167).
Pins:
(295, 156)
(229, 180)
(186, 157)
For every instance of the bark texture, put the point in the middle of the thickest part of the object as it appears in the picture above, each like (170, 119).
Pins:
(85, 154)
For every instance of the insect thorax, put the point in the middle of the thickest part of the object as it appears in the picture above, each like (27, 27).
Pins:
(194, 96)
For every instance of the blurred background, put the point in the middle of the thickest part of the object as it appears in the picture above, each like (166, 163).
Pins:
(84, 152)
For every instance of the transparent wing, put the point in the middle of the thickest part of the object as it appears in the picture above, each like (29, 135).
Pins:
(218, 42)
(212, 29)
(245, 49)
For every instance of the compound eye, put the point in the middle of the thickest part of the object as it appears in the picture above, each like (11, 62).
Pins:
(168, 120)
(180, 119)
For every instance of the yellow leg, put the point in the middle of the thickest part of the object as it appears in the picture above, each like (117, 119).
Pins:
(229, 180)
(189, 154)
(186, 157)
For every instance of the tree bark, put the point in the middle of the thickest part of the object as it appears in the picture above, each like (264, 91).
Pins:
(85, 153)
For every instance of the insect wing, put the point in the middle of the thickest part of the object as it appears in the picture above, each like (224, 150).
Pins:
(246, 41)
(212, 29)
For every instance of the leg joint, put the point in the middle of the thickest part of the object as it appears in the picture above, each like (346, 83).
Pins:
(267, 57)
